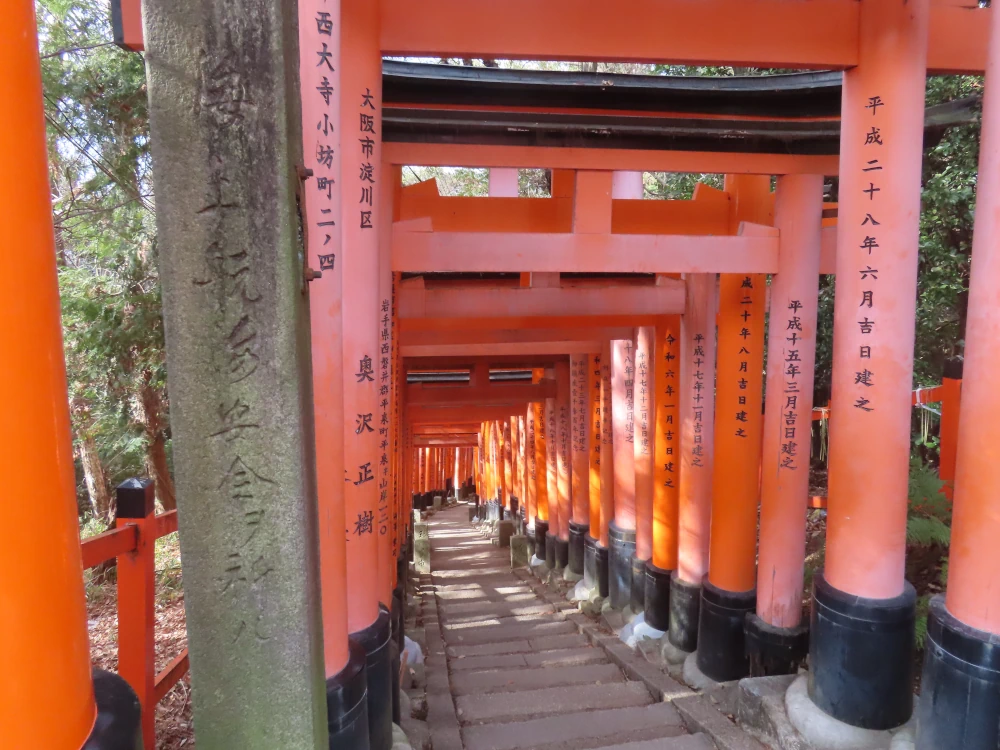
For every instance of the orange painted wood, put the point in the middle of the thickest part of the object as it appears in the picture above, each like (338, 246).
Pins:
(607, 448)
(46, 696)
(563, 424)
(557, 158)
(110, 544)
(472, 252)
(137, 621)
(580, 430)
(667, 465)
(697, 402)
(126, 24)
(424, 394)
(622, 428)
(171, 675)
(951, 400)
(820, 34)
(554, 347)
(430, 309)
(866, 542)
(594, 459)
(644, 439)
(165, 523)
(469, 338)
(540, 469)
(787, 423)
(448, 414)
(551, 462)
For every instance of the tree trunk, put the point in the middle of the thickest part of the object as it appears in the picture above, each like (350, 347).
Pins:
(156, 451)
(95, 478)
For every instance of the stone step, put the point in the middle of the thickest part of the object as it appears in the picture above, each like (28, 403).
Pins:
(472, 611)
(582, 728)
(513, 680)
(506, 632)
(526, 704)
(684, 742)
(498, 621)
(511, 594)
(557, 658)
(518, 645)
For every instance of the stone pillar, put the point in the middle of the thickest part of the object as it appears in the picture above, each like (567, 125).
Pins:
(776, 639)
(861, 674)
(621, 530)
(643, 449)
(47, 660)
(960, 690)
(697, 415)
(729, 594)
(224, 125)
(666, 474)
(362, 220)
(346, 674)
(579, 523)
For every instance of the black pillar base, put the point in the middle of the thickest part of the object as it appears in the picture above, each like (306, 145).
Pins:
(590, 546)
(772, 650)
(637, 591)
(550, 550)
(514, 503)
(347, 702)
(721, 641)
(603, 571)
(960, 690)
(577, 544)
(376, 640)
(861, 656)
(119, 716)
(541, 530)
(621, 543)
(657, 595)
(562, 553)
(685, 604)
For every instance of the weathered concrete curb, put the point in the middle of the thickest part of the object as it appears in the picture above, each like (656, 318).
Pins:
(442, 720)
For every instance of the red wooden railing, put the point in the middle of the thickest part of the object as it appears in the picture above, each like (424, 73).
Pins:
(133, 543)
(949, 394)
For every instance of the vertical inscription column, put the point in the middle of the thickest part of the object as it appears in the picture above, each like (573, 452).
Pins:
(643, 448)
(881, 142)
(540, 470)
(621, 530)
(530, 471)
(225, 145)
(666, 473)
(697, 415)
(593, 403)
(580, 407)
(361, 220)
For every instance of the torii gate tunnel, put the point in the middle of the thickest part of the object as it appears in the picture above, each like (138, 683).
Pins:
(342, 349)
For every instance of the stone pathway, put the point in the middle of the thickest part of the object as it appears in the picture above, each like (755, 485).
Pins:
(506, 668)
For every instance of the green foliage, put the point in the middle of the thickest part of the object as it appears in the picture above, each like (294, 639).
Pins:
(929, 511)
(95, 107)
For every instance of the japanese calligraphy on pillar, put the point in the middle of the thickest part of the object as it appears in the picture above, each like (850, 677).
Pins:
(580, 396)
(795, 426)
(385, 357)
(643, 401)
(629, 371)
(666, 407)
(700, 367)
(597, 420)
(321, 100)
(864, 378)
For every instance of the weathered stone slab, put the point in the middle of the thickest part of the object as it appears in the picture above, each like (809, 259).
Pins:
(481, 610)
(225, 142)
(684, 742)
(519, 551)
(497, 633)
(565, 657)
(499, 661)
(509, 680)
(577, 729)
(505, 530)
(422, 555)
(526, 704)
(519, 646)
(551, 642)
(701, 716)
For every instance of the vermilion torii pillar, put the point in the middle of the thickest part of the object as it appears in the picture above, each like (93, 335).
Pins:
(564, 487)
(728, 593)
(776, 639)
(45, 617)
(666, 473)
(319, 24)
(592, 542)
(960, 690)
(697, 415)
(361, 175)
(551, 476)
(530, 475)
(861, 644)
(541, 481)
(644, 446)
(621, 530)
(580, 407)
(603, 551)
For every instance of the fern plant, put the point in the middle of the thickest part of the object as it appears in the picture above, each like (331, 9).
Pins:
(928, 520)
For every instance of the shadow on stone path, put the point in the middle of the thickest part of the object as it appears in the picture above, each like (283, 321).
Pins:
(516, 672)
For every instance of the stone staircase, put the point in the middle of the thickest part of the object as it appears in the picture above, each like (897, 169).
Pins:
(507, 668)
